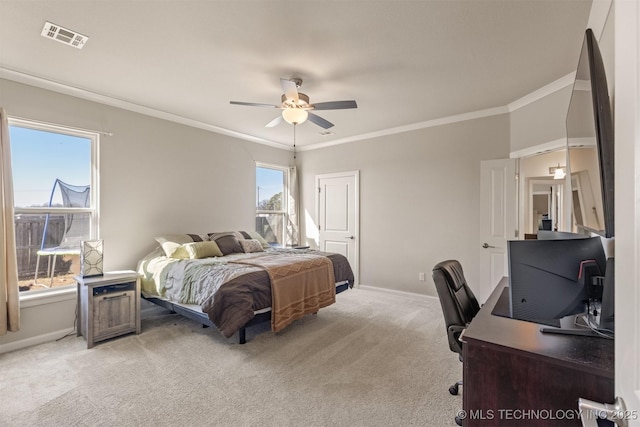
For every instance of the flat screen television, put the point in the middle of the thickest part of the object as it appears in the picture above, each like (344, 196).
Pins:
(590, 138)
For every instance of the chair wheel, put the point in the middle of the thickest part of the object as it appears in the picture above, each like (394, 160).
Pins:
(454, 390)
(459, 421)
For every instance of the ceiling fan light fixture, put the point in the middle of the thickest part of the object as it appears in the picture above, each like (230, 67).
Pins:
(294, 116)
(295, 106)
(303, 101)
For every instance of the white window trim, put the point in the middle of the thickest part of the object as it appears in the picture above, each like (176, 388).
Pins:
(39, 296)
(285, 196)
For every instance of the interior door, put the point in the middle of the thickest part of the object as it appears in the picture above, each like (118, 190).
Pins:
(497, 221)
(338, 215)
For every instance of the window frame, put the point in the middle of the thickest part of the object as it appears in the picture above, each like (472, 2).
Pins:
(285, 197)
(94, 196)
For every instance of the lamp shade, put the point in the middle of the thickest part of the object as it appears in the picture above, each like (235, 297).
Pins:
(559, 173)
(91, 258)
(294, 116)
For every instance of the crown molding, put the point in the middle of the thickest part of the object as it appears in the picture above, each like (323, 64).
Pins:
(408, 128)
(546, 90)
(555, 145)
(77, 92)
(598, 16)
(85, 94)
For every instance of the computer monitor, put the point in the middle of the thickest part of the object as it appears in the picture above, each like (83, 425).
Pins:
(552, 279)
(556, 235)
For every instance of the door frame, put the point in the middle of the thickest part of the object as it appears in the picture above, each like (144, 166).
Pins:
(497, 222)
(356, 175)
(627, 212)
(532, 192)
(556, 204)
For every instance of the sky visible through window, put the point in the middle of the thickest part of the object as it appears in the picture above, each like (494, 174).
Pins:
(268, 182)
(38, 158)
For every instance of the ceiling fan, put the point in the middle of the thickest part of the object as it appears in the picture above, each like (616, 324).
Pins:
(296, 108)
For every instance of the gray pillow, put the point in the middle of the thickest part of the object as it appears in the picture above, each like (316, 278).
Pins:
(227, 242)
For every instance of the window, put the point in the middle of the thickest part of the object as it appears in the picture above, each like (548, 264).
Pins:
(272, 184)
(54, 183)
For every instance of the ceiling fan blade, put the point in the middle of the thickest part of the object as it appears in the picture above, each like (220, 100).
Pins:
(275, 122)
(325, 124)
(289, 89)
(253, 104)
(335, 105)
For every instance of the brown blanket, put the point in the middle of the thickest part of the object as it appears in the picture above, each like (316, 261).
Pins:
(234, 304)
(298, 287)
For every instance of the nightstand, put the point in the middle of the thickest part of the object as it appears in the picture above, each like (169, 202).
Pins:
(108, 305)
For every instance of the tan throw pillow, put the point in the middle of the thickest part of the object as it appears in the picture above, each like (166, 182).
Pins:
(251, 245)
(197, 250)
(172, 244)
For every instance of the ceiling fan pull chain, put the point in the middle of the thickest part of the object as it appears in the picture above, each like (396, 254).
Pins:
(294, 142)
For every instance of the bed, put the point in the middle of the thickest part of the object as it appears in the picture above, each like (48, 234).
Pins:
(234, 280)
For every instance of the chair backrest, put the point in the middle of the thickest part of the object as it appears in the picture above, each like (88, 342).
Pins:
(459, 304)
(76, 226)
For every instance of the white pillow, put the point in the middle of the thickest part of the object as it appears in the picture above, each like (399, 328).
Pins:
(251, 245)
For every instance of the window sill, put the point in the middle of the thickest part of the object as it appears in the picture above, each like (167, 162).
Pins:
(48, 297)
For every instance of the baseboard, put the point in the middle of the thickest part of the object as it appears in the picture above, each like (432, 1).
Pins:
(40, 339)
(410, 295)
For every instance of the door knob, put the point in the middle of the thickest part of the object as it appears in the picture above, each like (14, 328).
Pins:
(350, 238)
(486, 245)
(615, 412)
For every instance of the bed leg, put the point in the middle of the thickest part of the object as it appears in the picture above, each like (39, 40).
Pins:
(242, 337)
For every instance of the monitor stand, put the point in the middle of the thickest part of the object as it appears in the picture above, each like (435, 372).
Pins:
(577, 325)
(570, 331)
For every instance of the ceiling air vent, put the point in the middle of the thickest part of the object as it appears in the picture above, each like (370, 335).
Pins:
(63, 35)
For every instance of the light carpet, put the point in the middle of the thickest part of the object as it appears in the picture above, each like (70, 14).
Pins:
(370, 359)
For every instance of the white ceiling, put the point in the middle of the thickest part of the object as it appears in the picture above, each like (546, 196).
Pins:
(404, 62)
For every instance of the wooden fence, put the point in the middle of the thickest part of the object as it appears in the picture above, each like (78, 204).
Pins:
(29, 231)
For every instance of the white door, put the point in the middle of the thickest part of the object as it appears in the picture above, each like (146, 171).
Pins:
(497, 222)
(338, 215)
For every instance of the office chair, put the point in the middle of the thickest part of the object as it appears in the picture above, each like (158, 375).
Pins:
(459, 306)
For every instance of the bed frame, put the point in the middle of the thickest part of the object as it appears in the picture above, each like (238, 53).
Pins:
(202, 318)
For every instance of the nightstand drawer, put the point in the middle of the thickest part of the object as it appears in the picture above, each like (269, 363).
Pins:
(131, 286)
(114, 313)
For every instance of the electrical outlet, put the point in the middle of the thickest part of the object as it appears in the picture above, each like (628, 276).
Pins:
(421, 277)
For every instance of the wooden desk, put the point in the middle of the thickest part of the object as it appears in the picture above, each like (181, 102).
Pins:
(515, 375)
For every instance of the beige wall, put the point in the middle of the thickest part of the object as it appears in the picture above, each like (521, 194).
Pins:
(155, 177)
(419, 198)
(540, 122)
